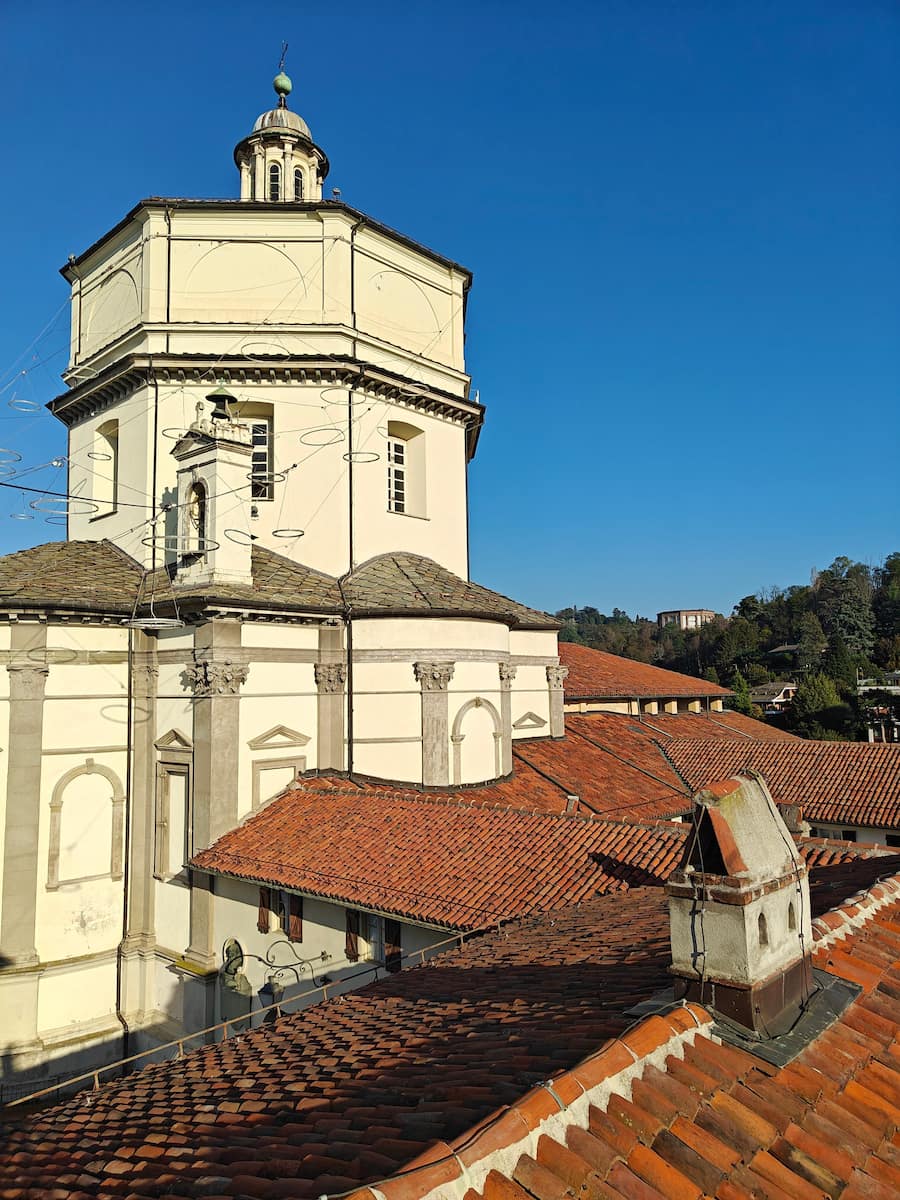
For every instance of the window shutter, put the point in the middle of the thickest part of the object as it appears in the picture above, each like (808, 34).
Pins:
(352, 943)
(262, 921)
(295, 919)
(392, 949)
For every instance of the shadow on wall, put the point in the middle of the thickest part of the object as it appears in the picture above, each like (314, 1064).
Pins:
(17, 1081)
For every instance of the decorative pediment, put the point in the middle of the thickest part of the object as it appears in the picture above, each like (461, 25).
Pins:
(174, 740)
(277, 738)
(529, 720)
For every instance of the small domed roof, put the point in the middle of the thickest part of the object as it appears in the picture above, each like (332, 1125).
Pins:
(281, 118)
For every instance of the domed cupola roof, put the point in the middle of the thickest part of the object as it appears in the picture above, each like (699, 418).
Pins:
(278, 159)
(281, 117)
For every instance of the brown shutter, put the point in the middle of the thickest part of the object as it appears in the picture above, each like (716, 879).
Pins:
(392, 950)
(352, 943)
(262, 920)
(295, 919)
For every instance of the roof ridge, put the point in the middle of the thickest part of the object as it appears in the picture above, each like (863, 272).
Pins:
(847, 918)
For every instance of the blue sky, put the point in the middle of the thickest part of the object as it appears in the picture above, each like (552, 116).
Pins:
(682, 220)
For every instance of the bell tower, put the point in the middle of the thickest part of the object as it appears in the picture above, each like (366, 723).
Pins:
(278, 160)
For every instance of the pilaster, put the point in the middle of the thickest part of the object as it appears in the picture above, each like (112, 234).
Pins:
(433, 678)
(140, 938)
(507, 676)
(19, 983)
(28, 673)
(331, 681)
(215, 677)
(555, 680)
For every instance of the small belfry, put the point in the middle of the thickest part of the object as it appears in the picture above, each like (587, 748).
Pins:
(279, 162)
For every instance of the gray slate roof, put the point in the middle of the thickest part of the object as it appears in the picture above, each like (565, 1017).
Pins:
(98, 577)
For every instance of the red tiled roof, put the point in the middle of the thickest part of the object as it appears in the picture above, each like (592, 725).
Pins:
(594, 674)
(349, 1091)
(716, 725)
(613, 765)
(846, 783)
(705, 1119)
(442, 860)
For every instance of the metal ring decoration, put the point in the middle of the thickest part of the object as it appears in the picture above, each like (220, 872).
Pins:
(58, 506)
(7, 471)
(173, 433)
(240, 537)
(22, 404)
(22, 516)
(99, 455)
(154, 622)
(56, 520)
(287, 533)
(341, 393)
(263, 352)
(266, 477)
(9, 456)
(361, 456)
(333, 436)
(383, 431)
(172, 542)
(53, 654)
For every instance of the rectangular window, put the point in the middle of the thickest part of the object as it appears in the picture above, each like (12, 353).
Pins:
(893, 839)
(262, 482)
(290, 915)
(173, 828)
(848, 835)
(396, 456)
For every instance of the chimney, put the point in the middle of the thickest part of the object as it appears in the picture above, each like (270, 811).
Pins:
(739, 911)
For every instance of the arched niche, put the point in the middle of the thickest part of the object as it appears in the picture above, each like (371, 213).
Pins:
(86, 825)
(479, 745)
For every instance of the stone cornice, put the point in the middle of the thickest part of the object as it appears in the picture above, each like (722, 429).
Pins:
(126, 375)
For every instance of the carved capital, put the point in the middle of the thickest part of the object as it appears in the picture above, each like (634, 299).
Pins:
(209, 678)
(330, 677)
(433, 676)
(27, 682)
(507, 674)
(556, 676)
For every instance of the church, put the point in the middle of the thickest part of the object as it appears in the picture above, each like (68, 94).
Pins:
(269, 423)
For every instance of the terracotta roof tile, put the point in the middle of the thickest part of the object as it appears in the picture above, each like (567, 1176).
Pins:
(596, 675)
(823, 1126)
(443, 860)
(846, 783)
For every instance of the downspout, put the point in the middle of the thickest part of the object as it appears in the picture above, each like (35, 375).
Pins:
(126, 856)
(348, 614)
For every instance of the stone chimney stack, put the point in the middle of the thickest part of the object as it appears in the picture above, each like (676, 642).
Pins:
(739, 911)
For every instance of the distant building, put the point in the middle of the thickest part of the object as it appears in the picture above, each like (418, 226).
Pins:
(685, 618)
(774, 697)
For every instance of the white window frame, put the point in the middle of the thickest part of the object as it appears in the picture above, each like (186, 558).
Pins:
(396, 478)
(262, 480)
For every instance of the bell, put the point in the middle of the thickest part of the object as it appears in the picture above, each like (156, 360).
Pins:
(220, 400)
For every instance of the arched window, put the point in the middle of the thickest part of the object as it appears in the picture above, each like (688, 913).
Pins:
(298, 184)
(104, 456)
(274, 182)
(195, 540)
(763, 930)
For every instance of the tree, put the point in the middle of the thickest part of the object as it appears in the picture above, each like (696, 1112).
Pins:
(812, 642)
(838, 665)
(845, 592)
(741, 701)
(817, 710)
